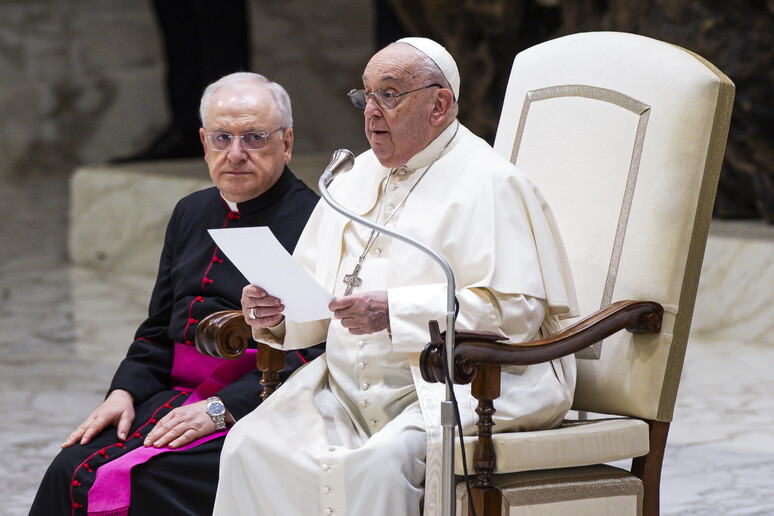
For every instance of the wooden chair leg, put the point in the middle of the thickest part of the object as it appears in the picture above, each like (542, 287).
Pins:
(270, 361)
(487, 499)
(648, 467)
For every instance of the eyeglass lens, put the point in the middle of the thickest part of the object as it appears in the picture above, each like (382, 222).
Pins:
(386, 99)
(250, 141)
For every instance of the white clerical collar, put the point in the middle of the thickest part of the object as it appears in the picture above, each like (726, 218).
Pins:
(424, 157)
(231, 205)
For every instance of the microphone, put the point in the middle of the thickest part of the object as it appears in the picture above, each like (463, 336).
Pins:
(341, 161)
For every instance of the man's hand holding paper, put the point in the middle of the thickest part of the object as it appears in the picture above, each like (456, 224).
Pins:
(260, 309)
(271, 269)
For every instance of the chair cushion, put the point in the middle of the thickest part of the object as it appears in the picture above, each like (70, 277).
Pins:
(575, 443)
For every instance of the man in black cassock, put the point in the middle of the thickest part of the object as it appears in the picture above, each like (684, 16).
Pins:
(171, 405)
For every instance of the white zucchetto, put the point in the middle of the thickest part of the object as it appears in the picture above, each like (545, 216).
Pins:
(440, 57)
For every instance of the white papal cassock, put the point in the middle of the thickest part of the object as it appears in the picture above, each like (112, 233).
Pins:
(357, 432)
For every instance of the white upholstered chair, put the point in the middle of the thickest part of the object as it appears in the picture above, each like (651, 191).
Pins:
(624, 135)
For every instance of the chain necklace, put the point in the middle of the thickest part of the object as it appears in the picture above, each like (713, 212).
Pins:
(353, 280)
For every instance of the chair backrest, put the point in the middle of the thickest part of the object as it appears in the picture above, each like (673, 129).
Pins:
(624, 135)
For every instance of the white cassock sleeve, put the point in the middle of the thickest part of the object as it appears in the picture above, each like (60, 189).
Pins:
(499, 266)
(517, 317)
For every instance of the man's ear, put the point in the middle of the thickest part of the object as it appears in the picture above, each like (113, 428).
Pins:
(444, 100)
(203, 138)
(287, 142)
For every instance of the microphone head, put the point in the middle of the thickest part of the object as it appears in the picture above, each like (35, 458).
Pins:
(341, 161)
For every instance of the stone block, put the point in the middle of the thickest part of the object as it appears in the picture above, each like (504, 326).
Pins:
(735, 298)
(119, 213)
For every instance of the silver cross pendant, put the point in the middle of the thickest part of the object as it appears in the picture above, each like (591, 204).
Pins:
(352, 280)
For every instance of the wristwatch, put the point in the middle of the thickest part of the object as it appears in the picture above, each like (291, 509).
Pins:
(217, 411)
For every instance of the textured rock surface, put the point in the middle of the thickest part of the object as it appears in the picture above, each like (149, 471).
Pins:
(82, 81)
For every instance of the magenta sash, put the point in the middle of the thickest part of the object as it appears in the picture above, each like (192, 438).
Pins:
(111, 493)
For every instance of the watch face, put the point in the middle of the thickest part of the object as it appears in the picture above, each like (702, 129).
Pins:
(216, 409)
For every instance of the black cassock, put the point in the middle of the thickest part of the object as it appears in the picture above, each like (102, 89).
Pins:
(194, 280)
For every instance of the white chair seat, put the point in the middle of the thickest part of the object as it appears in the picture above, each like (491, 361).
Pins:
(575, 443)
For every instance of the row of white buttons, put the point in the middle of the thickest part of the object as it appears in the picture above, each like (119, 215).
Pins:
(365, 385)
(327, 489)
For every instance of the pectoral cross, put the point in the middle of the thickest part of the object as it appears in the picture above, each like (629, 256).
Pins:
(352, 280)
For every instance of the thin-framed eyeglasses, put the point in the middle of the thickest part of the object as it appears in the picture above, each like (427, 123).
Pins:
(252, 141)
(385, 99)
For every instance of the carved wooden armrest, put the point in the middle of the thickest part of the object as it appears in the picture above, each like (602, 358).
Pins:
(473, 349)
(226, 335)
(479, 356)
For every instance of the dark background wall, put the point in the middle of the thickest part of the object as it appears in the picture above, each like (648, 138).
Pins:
(83, 81)
(737, 36)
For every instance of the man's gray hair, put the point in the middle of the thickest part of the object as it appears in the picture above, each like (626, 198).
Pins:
(278, 93)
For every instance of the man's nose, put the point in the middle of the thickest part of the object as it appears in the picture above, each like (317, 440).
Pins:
(236, 151)
(372, 107)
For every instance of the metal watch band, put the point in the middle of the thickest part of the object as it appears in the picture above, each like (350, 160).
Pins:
(218, 419)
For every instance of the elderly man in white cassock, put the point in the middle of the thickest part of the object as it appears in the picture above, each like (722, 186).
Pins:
(357, 432)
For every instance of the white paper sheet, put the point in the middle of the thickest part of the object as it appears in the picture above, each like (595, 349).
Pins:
(257, 253)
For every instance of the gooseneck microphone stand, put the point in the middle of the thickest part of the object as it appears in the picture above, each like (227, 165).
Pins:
(341, 161)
